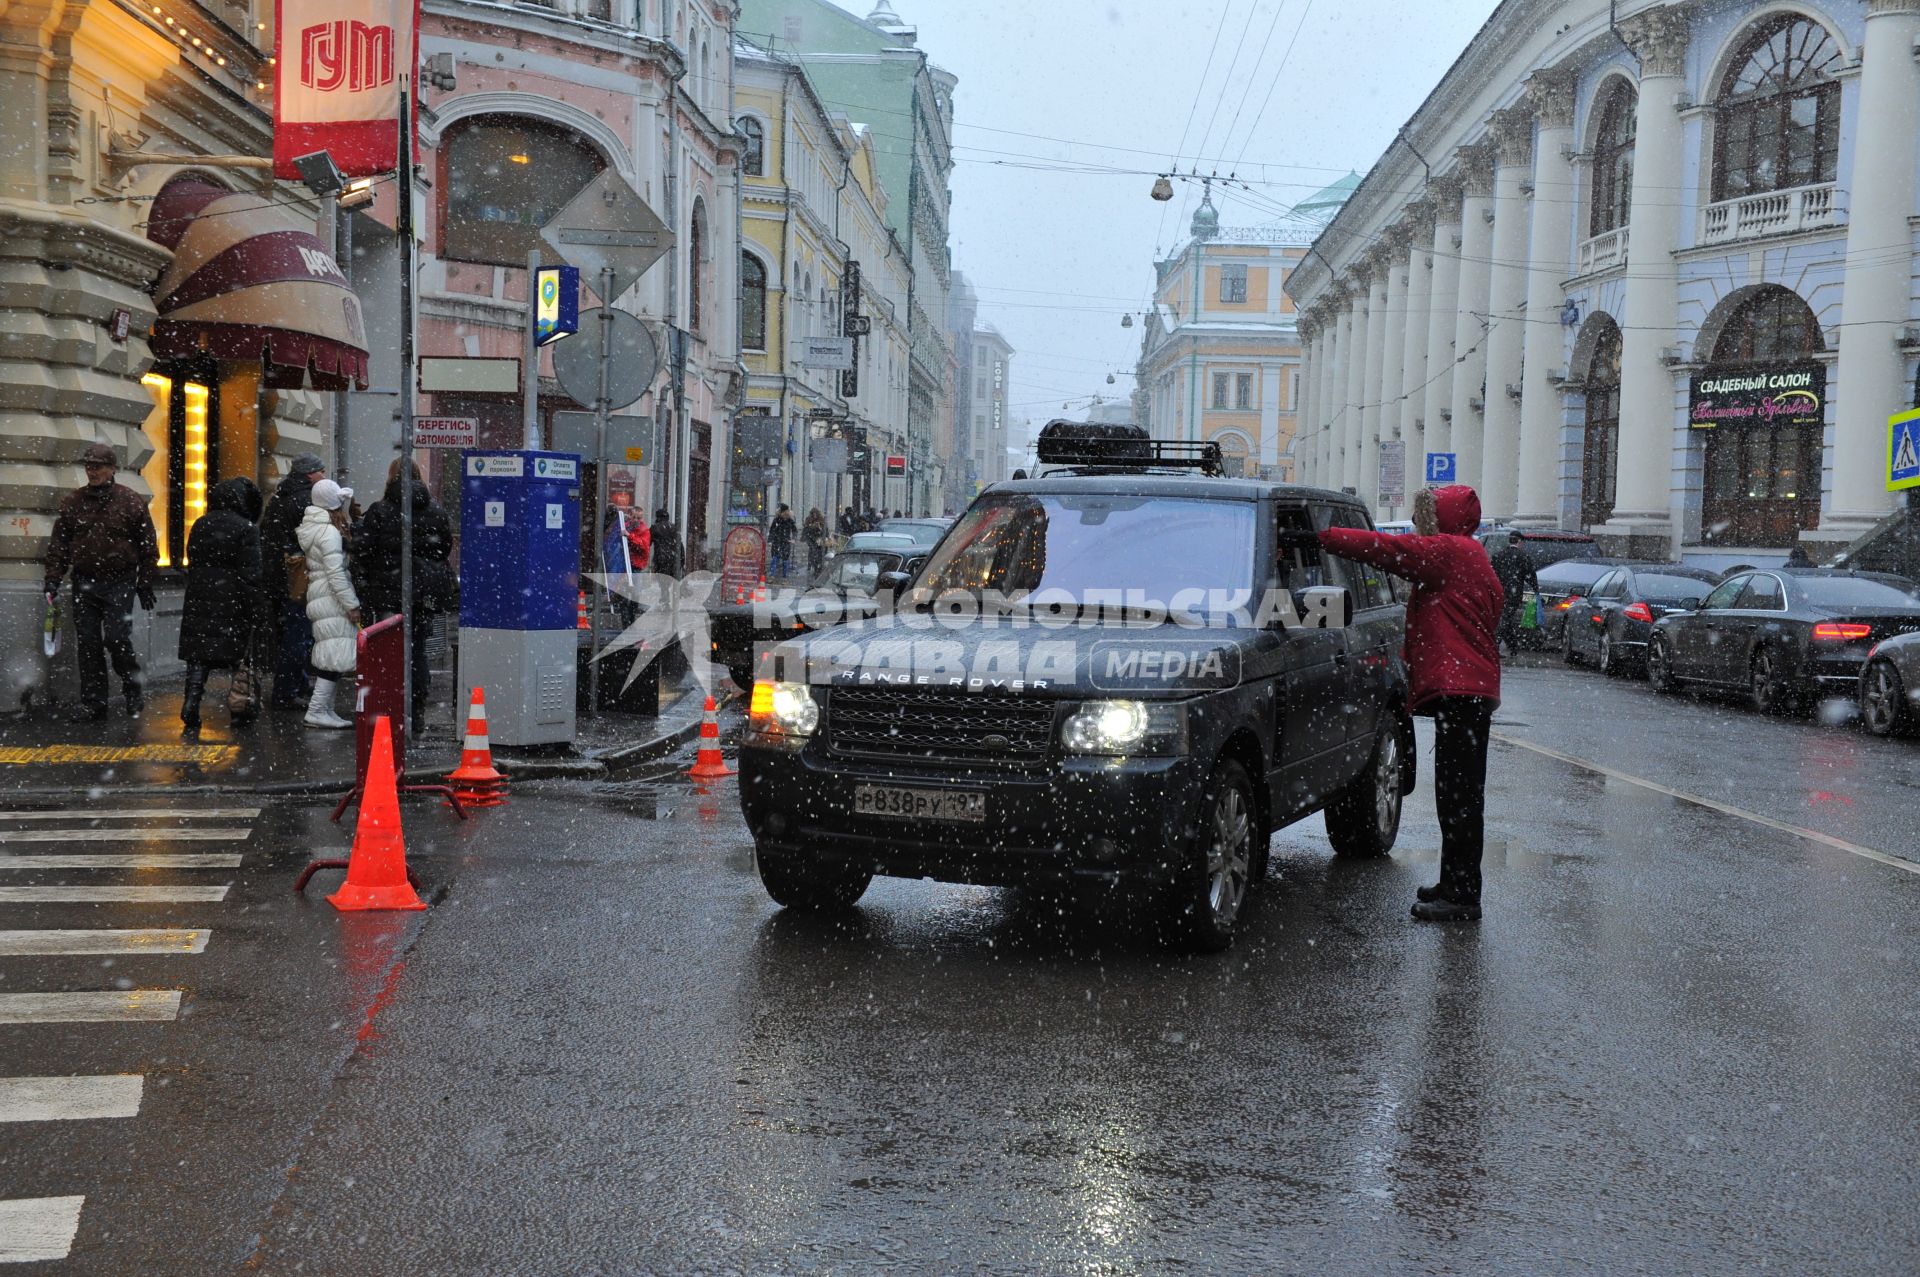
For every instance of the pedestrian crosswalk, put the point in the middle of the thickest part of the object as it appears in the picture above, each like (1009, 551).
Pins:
(129, 866)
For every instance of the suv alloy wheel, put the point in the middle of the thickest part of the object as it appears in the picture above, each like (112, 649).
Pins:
(1364, 818)
(1883, 701)
(794, 884)
(1209, 897)
(1660, 666)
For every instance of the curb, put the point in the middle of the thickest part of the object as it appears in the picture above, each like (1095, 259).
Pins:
(686, 712)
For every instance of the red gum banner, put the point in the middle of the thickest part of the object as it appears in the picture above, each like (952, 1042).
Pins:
(337, 81)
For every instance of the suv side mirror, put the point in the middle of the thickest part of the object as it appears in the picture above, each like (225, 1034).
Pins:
(1324, 607)
(888, 585)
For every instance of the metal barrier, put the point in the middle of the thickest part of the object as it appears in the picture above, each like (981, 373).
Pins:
(380, 691)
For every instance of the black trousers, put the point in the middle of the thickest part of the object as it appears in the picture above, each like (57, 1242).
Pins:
(103, 628)
(1509, 632)
(1461, 724)
(293, 648)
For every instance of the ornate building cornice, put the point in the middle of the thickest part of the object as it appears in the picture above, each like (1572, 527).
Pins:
(1510, 129)
(1658, 37)
(1443, 193)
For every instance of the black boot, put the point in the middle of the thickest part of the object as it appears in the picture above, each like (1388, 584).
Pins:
(136, 700)
(1443, 910)
(190, 703)
(1429, 893)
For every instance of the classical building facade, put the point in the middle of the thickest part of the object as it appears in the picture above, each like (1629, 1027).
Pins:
(549, 95)
(1649, 277)
(1220, 351)
(813, 205)
(872, 69)
(145, 306)
(989, 381)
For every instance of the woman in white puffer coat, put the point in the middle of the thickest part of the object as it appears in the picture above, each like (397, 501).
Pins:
(332, 606)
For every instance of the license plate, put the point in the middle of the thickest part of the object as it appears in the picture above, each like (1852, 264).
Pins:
(965, 805)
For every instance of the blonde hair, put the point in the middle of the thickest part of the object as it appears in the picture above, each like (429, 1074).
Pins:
(1426, 514)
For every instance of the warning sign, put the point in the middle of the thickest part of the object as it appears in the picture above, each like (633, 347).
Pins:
(1903, 450)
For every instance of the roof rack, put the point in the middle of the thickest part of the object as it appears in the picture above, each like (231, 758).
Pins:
(1105, 447)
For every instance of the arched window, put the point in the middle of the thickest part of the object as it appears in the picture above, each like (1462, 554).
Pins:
(753, 303)
(1613, 160)
(1600, 449)
(506, 175)
(696, 264)
(753, 154)
(1778, 111)
(1762, 475)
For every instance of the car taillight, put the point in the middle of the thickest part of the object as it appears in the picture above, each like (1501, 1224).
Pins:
(1639, 612)
(1567, 603)
(1841, 631)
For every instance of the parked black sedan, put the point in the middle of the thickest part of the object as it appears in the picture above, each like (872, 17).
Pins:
(1610, 624)
(1786, 638)
(1561, 585)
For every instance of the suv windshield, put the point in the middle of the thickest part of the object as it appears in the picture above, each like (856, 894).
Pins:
(1079, 543)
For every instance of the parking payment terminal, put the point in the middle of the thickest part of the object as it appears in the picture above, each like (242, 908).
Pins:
(519, 590)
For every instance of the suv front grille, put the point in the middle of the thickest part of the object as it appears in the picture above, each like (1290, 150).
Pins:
(938, 725)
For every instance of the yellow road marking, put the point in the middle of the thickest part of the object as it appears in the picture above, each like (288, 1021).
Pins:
(1811, 835)
(202, 755)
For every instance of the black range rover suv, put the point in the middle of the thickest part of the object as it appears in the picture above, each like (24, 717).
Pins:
(1108, 717)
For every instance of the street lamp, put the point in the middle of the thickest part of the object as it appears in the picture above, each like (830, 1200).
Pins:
(1126, 320)
(1162, 188)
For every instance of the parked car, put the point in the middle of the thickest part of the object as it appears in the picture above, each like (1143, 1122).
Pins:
(926, 533)
(1889, 692)
(1395, 527)
(1542, 545)
(1560, 585)
(1784, 637)
(1611, 623)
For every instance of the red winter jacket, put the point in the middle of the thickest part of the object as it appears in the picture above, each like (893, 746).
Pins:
(1451, 647)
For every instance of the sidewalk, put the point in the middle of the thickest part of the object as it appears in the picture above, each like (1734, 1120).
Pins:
(41, 754)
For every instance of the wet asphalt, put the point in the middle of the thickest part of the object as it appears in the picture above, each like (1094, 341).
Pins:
(1683, 1040)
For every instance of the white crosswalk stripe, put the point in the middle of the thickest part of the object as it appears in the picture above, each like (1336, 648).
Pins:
(152, 860)
(128, 839)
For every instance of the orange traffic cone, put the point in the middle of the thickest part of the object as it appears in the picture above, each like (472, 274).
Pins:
(377, 866)
(710, 762)
(475, 780)
(585, 621)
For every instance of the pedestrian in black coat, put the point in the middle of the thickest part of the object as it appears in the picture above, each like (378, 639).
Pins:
(1515, 569)
(376, 556)
(293, 646)
(669, 556)
(225, 598)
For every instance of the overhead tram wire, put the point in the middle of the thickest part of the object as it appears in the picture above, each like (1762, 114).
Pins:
(1273, 84)
(1253, 76)
(1253, 7)
(1219, 25)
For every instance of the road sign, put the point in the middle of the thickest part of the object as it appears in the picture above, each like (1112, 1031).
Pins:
(580, 432)
(896, 465)
(1442, 467)
(445, 432)
(821, 414)
(822, 352)
(1903, 450)
(1393, 471)
(608, 225)
(556, 306)
(630, 370)
(827, 456)
(442, 375)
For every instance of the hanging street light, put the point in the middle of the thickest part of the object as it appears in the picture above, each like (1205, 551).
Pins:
(1162, 188)
(1126, 320)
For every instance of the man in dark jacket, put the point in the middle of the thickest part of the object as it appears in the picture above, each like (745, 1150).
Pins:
(668, 556)
(105, 536)
(1453, 670)
(376, 553)
(1517, 576)
(780, 545)
(222, 603)
(287, 609)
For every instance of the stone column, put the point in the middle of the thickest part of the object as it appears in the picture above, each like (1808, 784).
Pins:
(1418, 225)
(1444, 194)
(1549, 261)
(1306, 417)
(1512, 132)
(1333, 387)
(1392, 349)
(1470, 328)
(1377, 325)
(1642, 522)
(1356, 361)
(1872, 377)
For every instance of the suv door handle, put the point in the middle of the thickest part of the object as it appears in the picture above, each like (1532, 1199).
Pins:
(1339, 659)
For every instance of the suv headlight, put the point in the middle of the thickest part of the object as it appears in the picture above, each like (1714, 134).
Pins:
(1126, 727)
(782, 709)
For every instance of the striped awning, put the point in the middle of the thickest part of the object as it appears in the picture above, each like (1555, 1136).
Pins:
(244, 285)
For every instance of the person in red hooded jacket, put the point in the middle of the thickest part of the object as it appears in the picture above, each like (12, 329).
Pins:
(1453, 670)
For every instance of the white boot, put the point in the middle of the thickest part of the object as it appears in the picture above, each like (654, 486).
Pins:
(320, 707)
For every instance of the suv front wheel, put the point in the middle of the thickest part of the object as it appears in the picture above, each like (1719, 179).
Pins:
(1208, 897)
(1364, 818)
(795, 884)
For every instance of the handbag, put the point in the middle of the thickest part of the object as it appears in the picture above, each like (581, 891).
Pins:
(296, 570)
(243, 692)
(1530, 612)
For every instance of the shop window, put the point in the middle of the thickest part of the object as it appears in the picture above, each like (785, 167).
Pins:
(1613, 160)
(1600, 451)
(753, 303)
(753, 156)
(505, 177)
(1777, 116)
(1762, 485)
(185, 455)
